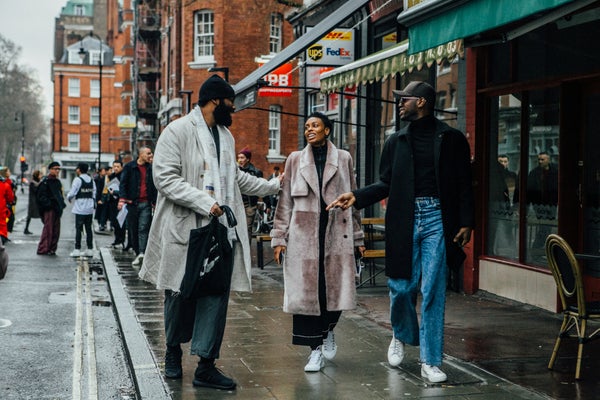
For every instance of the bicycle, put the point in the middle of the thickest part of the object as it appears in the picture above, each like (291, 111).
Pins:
(263, 221)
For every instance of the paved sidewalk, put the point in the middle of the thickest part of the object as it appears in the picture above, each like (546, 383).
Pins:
(258, 354)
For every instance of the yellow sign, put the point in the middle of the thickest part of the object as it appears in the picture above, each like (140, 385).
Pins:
(126, 121)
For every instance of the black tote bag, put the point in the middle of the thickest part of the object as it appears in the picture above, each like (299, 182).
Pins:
(209, 261)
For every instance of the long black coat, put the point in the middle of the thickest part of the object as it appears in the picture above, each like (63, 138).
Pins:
(454, 183)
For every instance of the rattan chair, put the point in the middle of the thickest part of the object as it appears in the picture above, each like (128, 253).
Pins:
(576, 312)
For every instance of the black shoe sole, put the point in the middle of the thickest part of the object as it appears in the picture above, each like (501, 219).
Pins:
(198, 383)
(173, 376)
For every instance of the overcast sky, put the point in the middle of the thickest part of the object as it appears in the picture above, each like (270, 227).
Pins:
(30, 25)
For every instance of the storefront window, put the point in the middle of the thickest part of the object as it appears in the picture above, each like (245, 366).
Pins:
(540, 158)
(542, 180)
(504, 160)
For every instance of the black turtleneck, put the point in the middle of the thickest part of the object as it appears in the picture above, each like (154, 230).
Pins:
(422, 133)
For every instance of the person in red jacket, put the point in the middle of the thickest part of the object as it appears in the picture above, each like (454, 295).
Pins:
(7, 197)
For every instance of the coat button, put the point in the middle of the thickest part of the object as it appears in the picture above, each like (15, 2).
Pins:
(345, 236)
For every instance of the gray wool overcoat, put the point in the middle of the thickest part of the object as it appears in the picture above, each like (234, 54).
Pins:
(182, 205)
(296, 226)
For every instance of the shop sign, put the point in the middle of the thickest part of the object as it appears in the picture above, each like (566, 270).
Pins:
(278, 80)
(335, 48)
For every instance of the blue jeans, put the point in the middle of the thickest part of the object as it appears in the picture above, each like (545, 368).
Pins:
(428, 267)
(139, 218)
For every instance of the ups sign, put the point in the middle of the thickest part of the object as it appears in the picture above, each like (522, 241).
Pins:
(315, 52)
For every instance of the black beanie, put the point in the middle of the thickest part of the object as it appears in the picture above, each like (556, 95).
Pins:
(215, 87)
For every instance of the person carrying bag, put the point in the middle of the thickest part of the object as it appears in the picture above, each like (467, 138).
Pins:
(209, 259)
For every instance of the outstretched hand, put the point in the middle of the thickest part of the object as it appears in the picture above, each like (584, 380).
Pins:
(344, 201)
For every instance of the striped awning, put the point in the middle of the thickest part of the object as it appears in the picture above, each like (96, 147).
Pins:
(385, 63)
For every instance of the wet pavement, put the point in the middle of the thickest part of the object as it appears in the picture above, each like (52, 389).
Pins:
(494, 349)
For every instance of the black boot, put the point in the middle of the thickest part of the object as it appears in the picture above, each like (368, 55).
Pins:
(207, 375)
(26, 231)
(173, 362)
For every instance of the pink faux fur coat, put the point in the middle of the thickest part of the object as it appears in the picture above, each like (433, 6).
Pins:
(296, 226)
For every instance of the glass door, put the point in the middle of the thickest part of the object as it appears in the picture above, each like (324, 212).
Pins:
(590, 184)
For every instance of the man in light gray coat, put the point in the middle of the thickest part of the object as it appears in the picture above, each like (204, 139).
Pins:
(195, 172)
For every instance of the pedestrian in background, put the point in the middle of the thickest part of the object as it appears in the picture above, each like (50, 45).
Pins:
(32, 207)
(425, 173)
(5, 174)
(83, 190)
(137, 190)
(51, 204)
(114, 181)
(7, 197)
(250, 202)
(319, 279)
(101, 212)
(195, 172)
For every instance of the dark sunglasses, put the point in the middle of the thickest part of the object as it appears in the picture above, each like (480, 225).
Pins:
(404, 99)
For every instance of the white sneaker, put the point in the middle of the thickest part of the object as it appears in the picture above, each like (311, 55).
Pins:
(395, 352)
(432, 373)
(315, 361)
(88, 253)
(138, 260)
(329, 347)
(75, 253)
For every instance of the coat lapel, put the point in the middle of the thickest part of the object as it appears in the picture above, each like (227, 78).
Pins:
(308, 170)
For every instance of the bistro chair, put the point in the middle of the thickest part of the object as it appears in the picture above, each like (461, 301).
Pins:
(373, 234)
(576, 312)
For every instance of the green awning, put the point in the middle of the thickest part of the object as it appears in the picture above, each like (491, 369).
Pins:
(385, 63)
(430, 26)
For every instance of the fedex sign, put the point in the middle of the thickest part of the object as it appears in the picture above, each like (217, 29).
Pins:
(279, 77)
(335, 48)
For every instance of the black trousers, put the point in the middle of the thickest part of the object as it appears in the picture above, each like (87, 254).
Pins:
(81, 222)
(200, 320)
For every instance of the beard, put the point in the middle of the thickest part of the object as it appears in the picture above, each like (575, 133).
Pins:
(222, 115)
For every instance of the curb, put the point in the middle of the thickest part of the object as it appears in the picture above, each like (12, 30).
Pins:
(147, 378)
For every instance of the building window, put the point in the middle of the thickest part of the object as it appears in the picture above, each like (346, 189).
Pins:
(274, 129)
(275, 36)
(73, 142)
(96, 57)
(73, 87)
(95, 88)
(95, 116)
(94, 142)
(204, 36)
(73, 115)
(79, 10)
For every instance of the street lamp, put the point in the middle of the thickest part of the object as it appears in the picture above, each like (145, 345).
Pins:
(82, 53)
(22, 159)
(224, 70)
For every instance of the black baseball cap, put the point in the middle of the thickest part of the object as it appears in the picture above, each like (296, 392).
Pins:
(417, 89)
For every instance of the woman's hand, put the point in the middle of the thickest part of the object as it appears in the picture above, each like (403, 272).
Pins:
(279, 254)
(361, 250)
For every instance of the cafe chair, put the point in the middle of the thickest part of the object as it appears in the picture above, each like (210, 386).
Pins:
(373, 257)
(576, 312)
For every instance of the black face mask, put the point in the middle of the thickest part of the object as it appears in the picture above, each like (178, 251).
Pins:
(222, 114)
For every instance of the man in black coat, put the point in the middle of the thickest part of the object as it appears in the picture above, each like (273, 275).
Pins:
(425, 172)
(51, 202)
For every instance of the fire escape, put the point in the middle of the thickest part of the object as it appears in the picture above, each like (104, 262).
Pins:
(146, 70)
